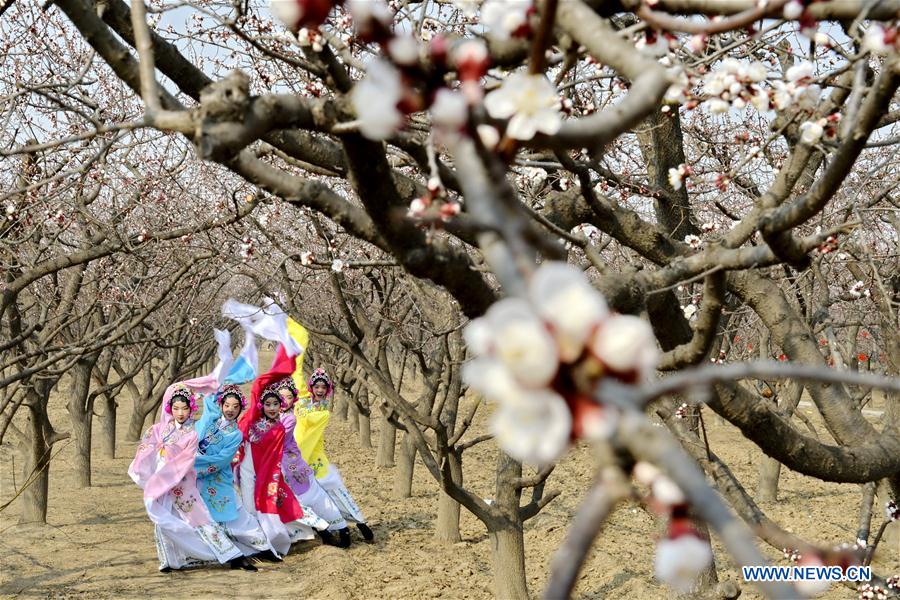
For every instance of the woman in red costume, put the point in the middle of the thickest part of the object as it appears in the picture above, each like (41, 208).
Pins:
(263, 487)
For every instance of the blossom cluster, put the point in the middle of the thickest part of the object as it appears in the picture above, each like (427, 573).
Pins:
(246, 248)
(411, 77)
(683, 553)
(434, 207)
(525, 349)
(735, 84)
(867, 591)
(812, 131)
(880, 40)
(892, 511)
(859, 289)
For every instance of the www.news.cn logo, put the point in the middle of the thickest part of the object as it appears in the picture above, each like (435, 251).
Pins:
(797, 573)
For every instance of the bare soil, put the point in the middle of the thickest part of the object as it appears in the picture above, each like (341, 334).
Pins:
(99, 542)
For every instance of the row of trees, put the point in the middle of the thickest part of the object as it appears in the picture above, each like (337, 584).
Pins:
(725, 171)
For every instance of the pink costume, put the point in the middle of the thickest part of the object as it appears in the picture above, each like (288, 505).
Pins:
(163, 467)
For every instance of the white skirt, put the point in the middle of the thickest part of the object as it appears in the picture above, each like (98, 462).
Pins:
(180, 545)
(321, 503)
(279, 535)
(334, 485)
(246, 532)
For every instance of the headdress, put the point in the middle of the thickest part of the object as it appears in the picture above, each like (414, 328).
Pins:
(181, 392)
(234, 391)
(288, 384)
(319, 375)
(271, 390)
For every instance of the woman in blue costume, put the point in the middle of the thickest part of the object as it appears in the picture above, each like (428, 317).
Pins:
(219, 439)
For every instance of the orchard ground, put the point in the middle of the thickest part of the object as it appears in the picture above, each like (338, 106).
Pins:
(99, 543)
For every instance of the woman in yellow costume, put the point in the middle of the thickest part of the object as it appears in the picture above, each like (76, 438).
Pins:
(313, 414)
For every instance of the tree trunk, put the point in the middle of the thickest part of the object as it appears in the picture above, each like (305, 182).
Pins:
(108, 427)
(365, 430)
(505, 533)
(81, 430)
(403, 475)
(387, 439)
(81, 414)
(353, 411)
(446, 527)
(136, 423)
(508, 557)
(769, 473)
(341, 404)
(769, 468)
(36, 452)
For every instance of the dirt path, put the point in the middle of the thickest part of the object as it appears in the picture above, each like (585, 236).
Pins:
(100, 543)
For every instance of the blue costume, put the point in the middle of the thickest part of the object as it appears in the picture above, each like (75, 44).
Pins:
(219, 441)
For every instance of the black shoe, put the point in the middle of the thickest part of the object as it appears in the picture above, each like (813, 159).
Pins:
(267, 555)
(344, 535)
(328, 538)
(366, 532)
(242, 563)
(166, 570)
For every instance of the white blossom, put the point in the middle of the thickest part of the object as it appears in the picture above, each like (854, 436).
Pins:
(304, 37)
(289, 12)
(565, 299)
(874, 40)
(689, 311)
(488, 135)
(404, 50)
(697, 43)
(522, 342)
(535, 175)
(757, 72)
(717, 106)
(677, 91)
(530, 102)
(659, 47)
(337, 265)
(533, 427)
(375, 100)
(504, 17)
(625, 343)
(469, 8)
(805, 96)
(811, 131)
(892, 511)
(490, 378)
(477, 335)
(760, 100)
(666, 491)
(793, 10)
(857, 290)
(366, 10)
(679, 561)
(306, 258)
(693, 241)
(811, 587)
(677, 175)
(449, 110)
(822, 39)
(645, 472)
(416, 208)
(801, 70)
